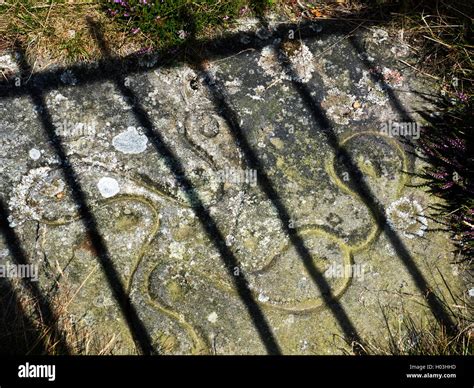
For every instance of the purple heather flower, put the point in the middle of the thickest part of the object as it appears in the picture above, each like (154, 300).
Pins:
(144, 50)
(439, 175)
(135, 30)
(462, 96)
(457, 143)
(447, 185)
(243, 11)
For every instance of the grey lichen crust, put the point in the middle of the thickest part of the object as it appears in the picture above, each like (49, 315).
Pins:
(168, 264)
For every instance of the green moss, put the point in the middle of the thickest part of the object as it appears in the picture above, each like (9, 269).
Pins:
(127, 221)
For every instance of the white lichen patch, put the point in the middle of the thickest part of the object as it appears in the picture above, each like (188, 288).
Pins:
(245, 24)
(263, 298)
(177, 250)
(34, 154)
(268, 61)
(121, 101)
(301, 60)
(379, 35)
(38, 196)
(406, 215)
(108, 187)
(131, 141)
(342, 107)
(372, 92)
(19, 208)
(212, 317)
(8, 64)
(401, 50)
(233, 86)
(57, 98)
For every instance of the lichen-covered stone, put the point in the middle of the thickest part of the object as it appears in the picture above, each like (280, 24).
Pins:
(168, 264)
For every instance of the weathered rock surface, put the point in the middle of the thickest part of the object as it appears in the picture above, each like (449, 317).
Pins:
(170, 267)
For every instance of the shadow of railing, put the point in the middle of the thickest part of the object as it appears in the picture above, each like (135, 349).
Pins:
(435, 304)
(136, 327)
(223, 107)
(45, 312)
(208, 223)
(231, 44)
(18, 333)
(362, 189)
(116, 69)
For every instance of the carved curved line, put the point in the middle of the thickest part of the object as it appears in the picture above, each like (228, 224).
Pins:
(348, 250)
(299, 307)
(200, 344)
(204, 155)
(312, 305)
(330, 162)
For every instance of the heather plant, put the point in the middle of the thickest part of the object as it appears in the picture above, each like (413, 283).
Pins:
(442, 33)
(447, 144)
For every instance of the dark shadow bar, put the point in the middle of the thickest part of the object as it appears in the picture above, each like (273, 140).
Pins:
(206, 220)
(19, 256)
(224, 109)
(376, 208)
(232, 44)
(136, 327)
